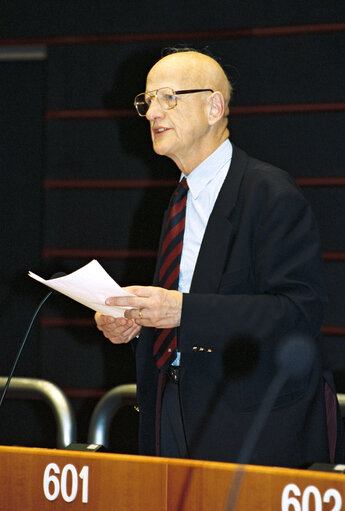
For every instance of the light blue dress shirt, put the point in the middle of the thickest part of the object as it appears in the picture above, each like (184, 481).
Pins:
(204, 182)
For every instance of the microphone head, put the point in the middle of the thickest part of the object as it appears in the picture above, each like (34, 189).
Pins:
(296, 355)
(57, 275)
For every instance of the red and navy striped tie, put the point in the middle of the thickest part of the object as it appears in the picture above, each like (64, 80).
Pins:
(164, 349)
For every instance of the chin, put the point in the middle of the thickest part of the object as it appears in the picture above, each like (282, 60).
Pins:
(160, 149)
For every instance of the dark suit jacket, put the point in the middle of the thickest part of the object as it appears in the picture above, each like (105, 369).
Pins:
(258, 278)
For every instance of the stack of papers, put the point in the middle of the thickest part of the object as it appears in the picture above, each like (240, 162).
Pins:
(90, 286)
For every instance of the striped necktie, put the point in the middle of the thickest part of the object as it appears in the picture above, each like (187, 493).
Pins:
(164, 349)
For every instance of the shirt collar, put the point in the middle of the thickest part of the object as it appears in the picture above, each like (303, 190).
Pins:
(204, 173)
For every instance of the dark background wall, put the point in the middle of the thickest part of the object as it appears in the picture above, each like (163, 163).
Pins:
(79, 179)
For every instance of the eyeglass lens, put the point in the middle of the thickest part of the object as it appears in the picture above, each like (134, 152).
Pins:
(165, 96)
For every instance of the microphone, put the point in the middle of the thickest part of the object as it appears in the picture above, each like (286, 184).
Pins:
(294, 359)
(55, 276)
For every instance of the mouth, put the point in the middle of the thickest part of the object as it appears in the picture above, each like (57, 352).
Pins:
(158, 131)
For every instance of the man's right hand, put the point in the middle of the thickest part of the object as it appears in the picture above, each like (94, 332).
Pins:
(117, 330)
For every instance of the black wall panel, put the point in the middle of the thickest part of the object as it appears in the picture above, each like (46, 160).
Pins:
(87, 76)
(21, 155)
(78, 359)
(23, 18)
(22, 86)
(103, 149)
(85, 218)
(329, 210)
(335, 278)
(308, 144)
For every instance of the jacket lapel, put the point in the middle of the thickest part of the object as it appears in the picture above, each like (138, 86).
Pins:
(220, 229)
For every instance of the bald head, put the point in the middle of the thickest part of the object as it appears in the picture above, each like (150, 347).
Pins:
(197, 70)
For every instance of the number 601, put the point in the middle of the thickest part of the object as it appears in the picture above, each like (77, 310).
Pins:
(53, 485)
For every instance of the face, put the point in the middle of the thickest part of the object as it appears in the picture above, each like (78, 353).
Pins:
(182, 132)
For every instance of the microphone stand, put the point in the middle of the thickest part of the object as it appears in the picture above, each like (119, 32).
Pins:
(294, 358)
(253, 435)
(22, 346)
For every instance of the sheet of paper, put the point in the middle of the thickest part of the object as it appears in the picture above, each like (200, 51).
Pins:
(90, 286)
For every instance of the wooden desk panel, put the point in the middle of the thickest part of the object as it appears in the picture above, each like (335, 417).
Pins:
(113, 482)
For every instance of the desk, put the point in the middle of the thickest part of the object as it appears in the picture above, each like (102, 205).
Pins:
(45, 479)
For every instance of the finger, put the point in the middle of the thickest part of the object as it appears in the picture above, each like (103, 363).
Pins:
(123, 322)
(108, 322)
(118, 333)
(123, 325)
(126, 336)
(138, 290)
(102, 320)
(142, 291)
(123, 301)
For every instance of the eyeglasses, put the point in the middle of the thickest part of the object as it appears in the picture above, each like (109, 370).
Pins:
(166, 97)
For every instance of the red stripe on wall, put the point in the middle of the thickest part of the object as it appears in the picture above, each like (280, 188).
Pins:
(234, 110)
(321, 181)
(230, 33)
(52, 322)
(334, 255)
(89, 114)
(56, 184)
(333, 330)
(76, 253)
(288, 108)
(49, 184)
(58, 322)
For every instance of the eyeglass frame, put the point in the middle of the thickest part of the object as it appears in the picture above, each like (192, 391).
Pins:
(175, 93)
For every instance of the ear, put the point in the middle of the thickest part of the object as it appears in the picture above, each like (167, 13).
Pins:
(216, 107)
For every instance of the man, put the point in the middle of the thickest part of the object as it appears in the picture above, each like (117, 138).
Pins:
(249, 275)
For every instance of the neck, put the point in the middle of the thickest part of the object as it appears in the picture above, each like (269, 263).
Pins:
(187, 165)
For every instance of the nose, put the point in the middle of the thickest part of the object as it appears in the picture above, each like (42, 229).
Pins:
(155, 110)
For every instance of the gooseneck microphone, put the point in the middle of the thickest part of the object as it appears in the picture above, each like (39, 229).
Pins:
(55, 276)
(295, 358)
